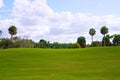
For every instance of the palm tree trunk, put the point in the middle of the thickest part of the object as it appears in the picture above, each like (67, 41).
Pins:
(11, 37)
(104, 40)
(92, 41)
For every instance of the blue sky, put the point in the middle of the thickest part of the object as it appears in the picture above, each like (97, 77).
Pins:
(6, 9)
(95, 7)
(59, 20)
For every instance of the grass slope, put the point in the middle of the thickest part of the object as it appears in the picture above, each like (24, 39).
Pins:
(60, 64)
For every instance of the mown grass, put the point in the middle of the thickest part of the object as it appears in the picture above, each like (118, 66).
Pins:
(102, 63)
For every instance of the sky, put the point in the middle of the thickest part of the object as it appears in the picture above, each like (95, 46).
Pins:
(59, 20)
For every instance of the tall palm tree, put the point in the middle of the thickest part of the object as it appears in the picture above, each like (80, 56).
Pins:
(12, 31)
(0, 33)
(92, 32)
(104, 30)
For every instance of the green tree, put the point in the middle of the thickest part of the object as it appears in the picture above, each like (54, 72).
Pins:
(104, 30)
(92, 32)
(116, 39)
(12, 31)
(96, 43)
(25, 43)
(43, 43)
(36, 45)
(107, 40)
(81, 41)
(75, 45)
(6, 43)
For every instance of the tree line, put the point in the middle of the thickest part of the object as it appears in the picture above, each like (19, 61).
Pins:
(106, 40)
(17, 42)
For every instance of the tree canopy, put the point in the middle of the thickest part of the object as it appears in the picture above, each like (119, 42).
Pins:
(82, 41)
(104, 30)
(116, 39)
(12, 31)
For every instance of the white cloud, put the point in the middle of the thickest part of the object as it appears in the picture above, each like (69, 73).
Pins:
(34, 18)
(1, 3)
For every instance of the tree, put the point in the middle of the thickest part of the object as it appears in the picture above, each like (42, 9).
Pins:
(6, 43)
(82, 41)
(92, 32)
(96, 43)
(106, 40)
(12, 31)
(75, 45)
(25, 43)
(116, 39)
(104, 30)
(0, 33)
(43, 43)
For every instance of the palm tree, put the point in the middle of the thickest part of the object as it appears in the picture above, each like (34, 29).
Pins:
(92, 32)
(104, 30)
(0, 32)
(107, 40)
(116, 39)
(12, 31)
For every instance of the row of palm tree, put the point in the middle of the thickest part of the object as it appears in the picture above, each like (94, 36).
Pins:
(81, 40)
(103, 30)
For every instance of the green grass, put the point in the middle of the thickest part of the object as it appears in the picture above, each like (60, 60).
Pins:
(102, 63)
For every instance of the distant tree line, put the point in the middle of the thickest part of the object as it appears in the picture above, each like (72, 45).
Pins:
(46, 44)
(28, 43)
(17, 42)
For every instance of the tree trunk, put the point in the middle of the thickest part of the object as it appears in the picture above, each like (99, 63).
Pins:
(104, 40)
(92, 41)
(11, 37)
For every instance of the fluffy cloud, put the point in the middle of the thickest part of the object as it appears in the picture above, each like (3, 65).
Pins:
(34, 18)
(1, 3)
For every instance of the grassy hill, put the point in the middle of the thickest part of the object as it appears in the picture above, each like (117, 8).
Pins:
(60, 64)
